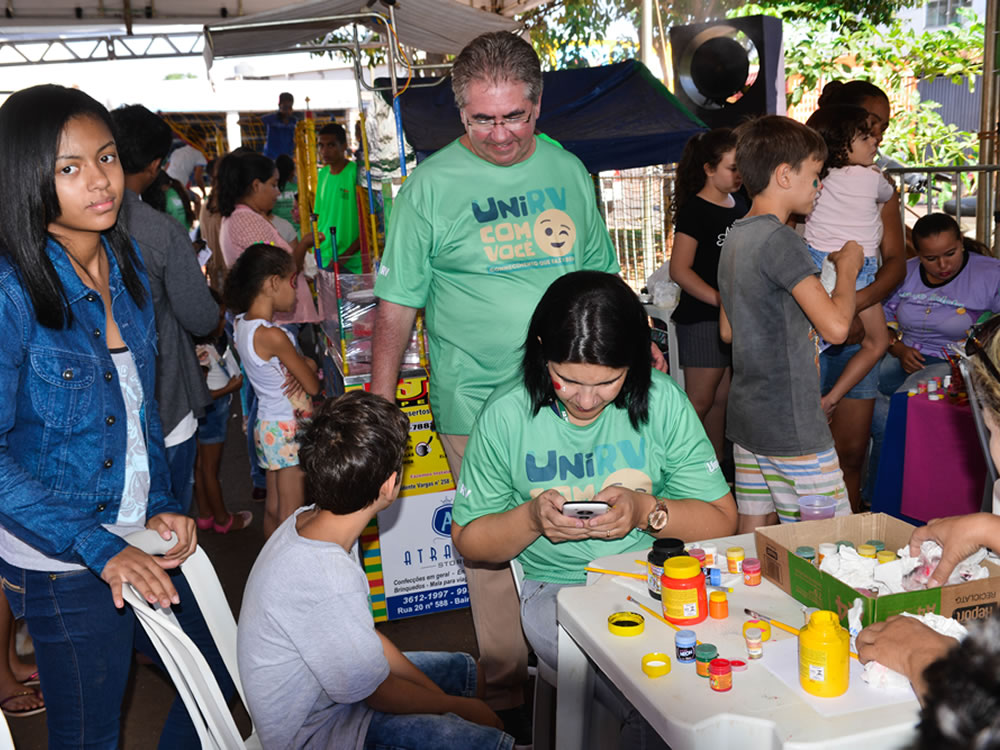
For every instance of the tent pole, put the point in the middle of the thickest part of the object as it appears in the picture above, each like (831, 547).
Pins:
(395, 91)
(988, 125)
(372, 224)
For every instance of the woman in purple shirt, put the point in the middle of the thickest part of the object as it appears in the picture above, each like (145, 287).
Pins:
(948, 286)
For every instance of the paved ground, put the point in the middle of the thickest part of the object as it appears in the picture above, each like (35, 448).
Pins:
(151, 693)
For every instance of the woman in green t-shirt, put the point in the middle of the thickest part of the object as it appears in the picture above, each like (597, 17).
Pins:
(590, 421)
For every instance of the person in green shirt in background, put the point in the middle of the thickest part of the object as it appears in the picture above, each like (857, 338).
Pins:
(336, 200)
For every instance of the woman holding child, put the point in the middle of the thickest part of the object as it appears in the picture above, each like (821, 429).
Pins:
(851, 418)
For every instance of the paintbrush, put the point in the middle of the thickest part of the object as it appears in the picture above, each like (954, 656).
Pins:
(778, 624)
(658, 616)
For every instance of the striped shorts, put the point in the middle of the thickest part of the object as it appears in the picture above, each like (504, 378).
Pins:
(768, 484)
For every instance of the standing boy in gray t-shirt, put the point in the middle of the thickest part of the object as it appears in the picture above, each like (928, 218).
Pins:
(772, 307)
(317, 674)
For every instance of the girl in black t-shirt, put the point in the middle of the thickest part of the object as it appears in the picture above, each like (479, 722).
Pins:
(706, 203)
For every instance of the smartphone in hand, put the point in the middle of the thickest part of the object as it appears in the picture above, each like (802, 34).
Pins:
(584, 510)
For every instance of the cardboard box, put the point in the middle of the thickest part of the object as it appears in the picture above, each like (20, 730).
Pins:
(975, 600)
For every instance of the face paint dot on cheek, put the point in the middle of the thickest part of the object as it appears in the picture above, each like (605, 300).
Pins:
(556, 386)
(815, 184)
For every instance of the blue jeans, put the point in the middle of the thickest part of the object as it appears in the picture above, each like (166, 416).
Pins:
(456, 675)
(538, 619)
(865, 276)
(180, 460)
(213, 426)
(84, 645)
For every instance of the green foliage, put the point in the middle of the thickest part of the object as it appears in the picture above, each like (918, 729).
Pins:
(919, 136)
(820, 48)
(565, 32)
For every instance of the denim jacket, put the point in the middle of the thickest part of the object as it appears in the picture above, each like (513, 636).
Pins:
(62, 417)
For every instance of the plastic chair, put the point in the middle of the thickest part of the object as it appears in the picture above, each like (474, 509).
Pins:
(673, 358)
(188, 669)
(6, 741)
(544, 701)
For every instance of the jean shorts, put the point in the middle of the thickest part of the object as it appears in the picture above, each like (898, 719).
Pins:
(832, 362)
(212, 427)
(865, 276)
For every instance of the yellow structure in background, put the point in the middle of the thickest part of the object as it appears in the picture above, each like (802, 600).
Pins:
(306, 169)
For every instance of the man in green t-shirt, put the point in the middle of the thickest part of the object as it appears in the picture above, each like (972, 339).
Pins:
(478, 232)
(336, 200)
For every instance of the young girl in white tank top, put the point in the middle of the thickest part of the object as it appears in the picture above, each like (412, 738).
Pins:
(261, 283)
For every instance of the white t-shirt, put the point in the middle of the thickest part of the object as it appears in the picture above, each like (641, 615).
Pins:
(221, 367)
(183, 161)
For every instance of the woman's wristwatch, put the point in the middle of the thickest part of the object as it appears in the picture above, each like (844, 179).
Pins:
(658, 517)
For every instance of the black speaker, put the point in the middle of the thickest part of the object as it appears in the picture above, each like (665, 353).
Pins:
(727, 71)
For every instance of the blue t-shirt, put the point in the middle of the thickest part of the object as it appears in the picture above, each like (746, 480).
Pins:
(280, 135)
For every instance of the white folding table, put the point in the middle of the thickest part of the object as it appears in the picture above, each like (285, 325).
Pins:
(760, 713)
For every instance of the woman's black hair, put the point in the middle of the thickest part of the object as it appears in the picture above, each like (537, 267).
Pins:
(931, 225)
(255, 265)
(592, 318)
(703, 149)
(286, 167)
(235, 177)
(850, 92)
(839, 124)
(155, 194)
(32, 121)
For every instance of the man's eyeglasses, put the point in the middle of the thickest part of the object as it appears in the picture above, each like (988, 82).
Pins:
(488, 123)
(978, 339)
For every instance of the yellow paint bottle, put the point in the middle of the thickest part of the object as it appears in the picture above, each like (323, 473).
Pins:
(824, 656)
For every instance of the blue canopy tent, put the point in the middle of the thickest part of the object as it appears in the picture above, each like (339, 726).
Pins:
(611, 117)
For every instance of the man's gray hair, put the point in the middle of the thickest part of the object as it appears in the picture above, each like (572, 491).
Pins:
(496, 57)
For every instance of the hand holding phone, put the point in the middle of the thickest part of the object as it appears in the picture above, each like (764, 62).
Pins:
(584, 510)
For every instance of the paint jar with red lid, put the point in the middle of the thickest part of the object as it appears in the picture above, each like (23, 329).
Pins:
(720, 675)
(682, 588)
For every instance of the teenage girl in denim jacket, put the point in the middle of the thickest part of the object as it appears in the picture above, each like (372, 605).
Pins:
(82, 461)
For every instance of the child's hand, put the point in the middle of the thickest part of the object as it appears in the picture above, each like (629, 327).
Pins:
(829, 404)
(849, 259)
(959, 537)
(292, 387)
(235, 382)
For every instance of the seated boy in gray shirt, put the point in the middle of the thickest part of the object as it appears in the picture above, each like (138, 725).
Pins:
(316, 672)
(773, 304)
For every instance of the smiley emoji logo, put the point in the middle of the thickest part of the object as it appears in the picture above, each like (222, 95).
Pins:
(630, 479)
(555, 233)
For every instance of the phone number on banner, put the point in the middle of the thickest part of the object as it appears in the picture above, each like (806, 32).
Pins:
(436, 600)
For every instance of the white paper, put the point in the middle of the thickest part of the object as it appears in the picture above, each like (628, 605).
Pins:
(782, 660)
